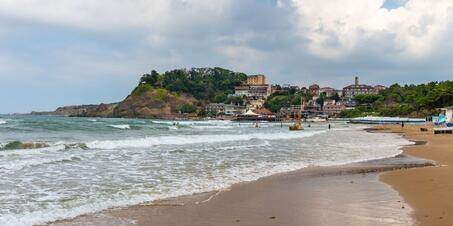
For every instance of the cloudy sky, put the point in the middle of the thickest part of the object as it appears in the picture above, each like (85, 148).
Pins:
(63, 52)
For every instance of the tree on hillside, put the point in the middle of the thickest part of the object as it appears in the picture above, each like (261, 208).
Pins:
(367, 98)
(201, 83)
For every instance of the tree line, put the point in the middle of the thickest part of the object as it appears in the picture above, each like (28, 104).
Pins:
(409, 100)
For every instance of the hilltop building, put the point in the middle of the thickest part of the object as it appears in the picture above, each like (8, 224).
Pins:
(356, 89)
(255, 90)
(256, 80)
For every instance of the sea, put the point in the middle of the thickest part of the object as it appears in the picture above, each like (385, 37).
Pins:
(85, 165)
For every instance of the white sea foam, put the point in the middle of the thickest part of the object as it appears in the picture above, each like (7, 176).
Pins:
(2, 122)
(120, 172)
(193, 139)
(121, 126)
(20, 164)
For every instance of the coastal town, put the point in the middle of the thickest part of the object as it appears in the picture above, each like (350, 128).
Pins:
(315, 102)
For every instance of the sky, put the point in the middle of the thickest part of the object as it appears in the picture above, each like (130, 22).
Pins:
(64, 52)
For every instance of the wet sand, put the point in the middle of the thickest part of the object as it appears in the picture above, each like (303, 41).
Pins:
(428, 190)
(342, 195)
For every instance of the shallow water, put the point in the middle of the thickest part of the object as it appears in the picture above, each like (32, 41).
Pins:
(94, 164)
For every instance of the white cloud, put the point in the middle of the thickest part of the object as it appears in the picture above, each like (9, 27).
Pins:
(116, 14)
(243, 57)
(337, 28)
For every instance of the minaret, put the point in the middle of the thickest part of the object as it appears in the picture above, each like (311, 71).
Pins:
(356, 80)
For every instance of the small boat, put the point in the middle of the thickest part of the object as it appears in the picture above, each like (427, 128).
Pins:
(297, 123)
(296, 126)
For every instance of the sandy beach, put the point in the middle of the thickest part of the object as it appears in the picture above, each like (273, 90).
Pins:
(428, 190)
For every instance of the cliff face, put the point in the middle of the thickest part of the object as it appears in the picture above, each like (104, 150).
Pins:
(150, 104)
(155, 103)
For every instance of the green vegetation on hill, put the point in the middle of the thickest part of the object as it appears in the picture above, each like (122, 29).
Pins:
(285, 98)
(188, 109)
(409, 100)
(207, 84)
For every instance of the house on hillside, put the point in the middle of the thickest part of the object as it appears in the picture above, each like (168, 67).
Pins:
(216, 108)
(333, 109)
(234, 110)
(330, 92)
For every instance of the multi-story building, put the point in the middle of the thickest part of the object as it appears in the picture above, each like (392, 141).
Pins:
(227, 109)
(256, 80)
(232, 109)
(356, 89)
(216, 108)
(261, 91)
(333, 109)
(330, 92)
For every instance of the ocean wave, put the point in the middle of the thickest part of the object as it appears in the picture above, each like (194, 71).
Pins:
(121, 126)
(194, 139)
(22, 163)
(3, 122)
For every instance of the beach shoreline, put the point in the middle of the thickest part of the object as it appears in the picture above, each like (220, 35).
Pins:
(289, 198)
(428, 190)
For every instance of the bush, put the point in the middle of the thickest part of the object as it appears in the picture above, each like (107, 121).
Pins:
(141, 89)
(188, 108)
(161, 94)
(236, 100)
(351, 113)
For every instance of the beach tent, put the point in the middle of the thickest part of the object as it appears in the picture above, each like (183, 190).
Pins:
(446, 118)
(441, 120)
(250, 113)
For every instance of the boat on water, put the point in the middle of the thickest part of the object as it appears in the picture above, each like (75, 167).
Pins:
(296, 126)
(386, 120)
(297, 122)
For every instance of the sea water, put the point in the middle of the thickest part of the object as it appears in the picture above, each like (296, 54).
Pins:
(91, 164)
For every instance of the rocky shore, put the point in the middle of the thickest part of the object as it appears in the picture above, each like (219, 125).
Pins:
(157, 103)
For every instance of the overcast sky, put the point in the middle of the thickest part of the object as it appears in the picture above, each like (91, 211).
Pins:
(63, 52)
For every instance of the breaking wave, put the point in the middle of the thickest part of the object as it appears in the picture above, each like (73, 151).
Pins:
(194, 139)
(122, 126)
